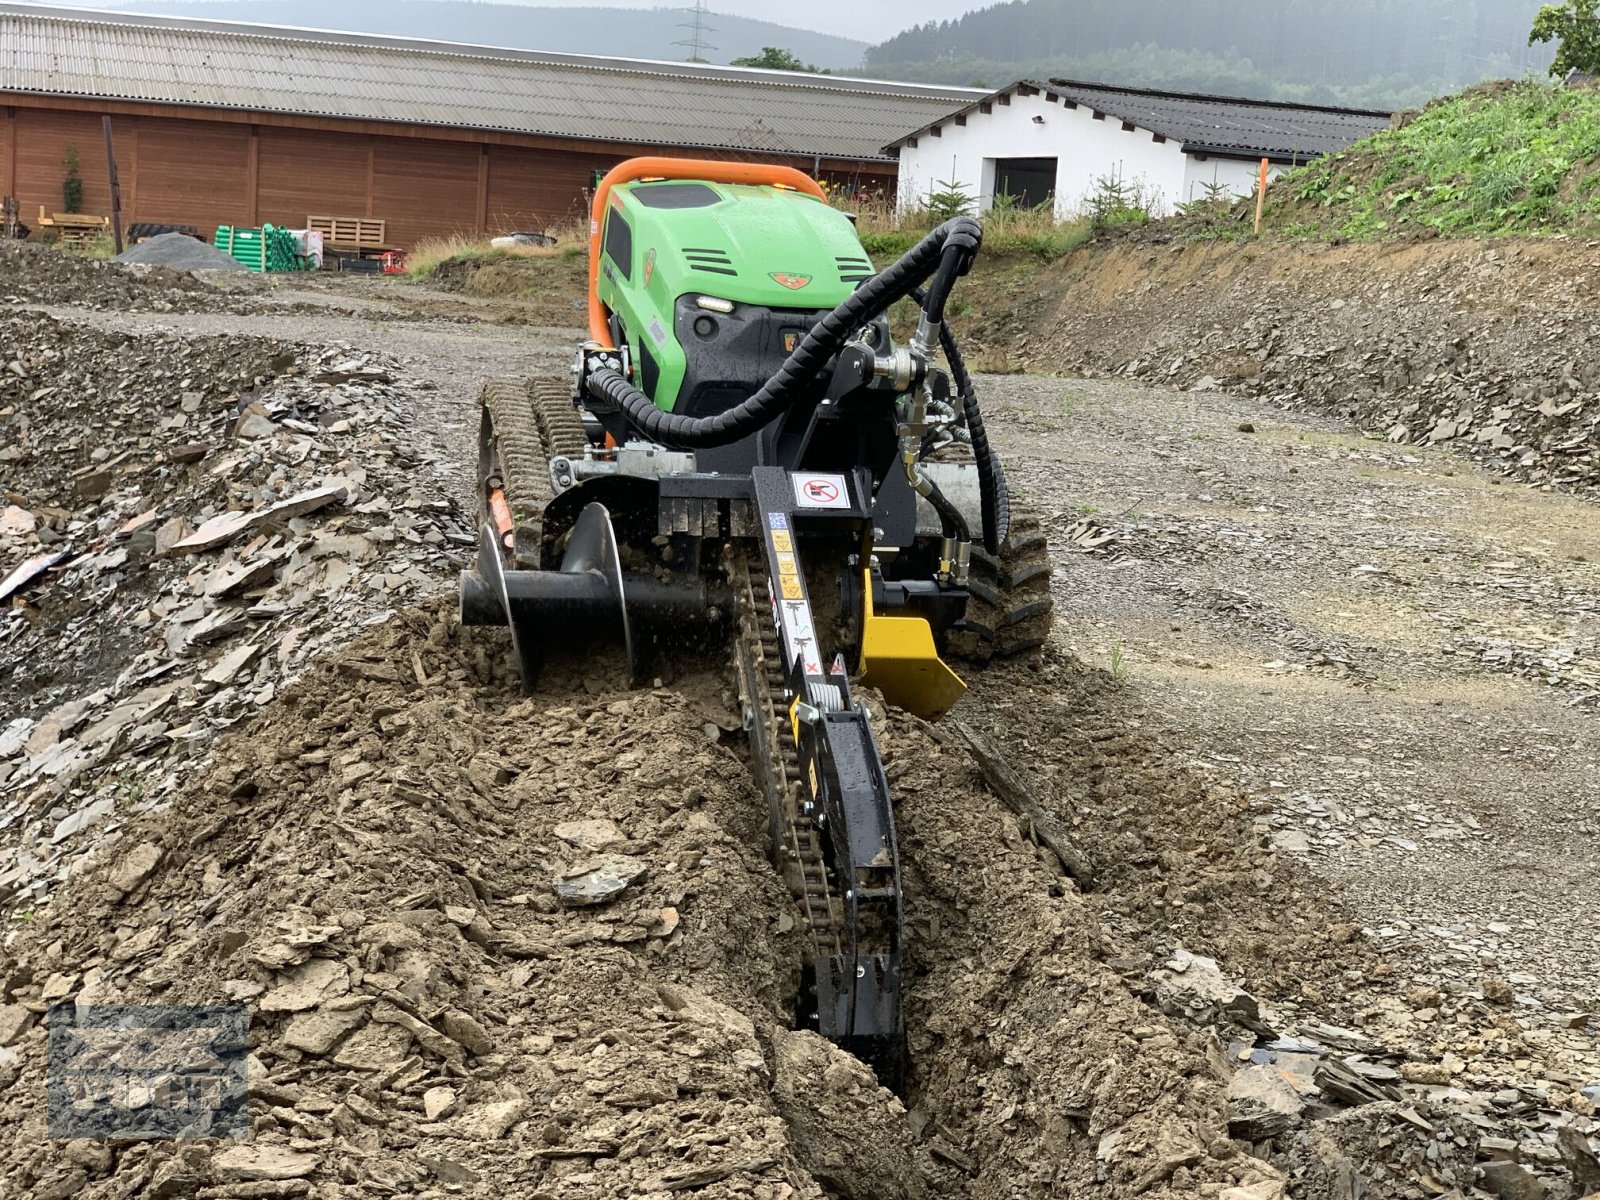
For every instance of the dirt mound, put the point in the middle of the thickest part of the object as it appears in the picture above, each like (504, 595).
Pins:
(547, 289)
(41, 275)
(427, 1008)
(1482, 346)
(1177, 860)
(185, 522)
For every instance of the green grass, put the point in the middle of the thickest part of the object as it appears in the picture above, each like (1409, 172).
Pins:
(1518, 158)
(1118, 660)
(887, 232)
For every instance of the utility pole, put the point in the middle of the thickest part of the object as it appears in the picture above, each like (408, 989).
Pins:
(116, 188)
(697, 27)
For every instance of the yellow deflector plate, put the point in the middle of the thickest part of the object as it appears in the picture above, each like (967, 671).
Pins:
(899, 659)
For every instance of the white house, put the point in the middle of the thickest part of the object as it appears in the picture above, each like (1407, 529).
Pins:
(1058, 141)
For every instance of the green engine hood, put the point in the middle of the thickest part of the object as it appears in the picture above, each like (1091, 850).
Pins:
(751, 245)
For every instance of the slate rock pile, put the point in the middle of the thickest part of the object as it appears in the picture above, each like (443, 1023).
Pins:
(186, 522)
(374, 871)
(1423, 1106)
(43, 275)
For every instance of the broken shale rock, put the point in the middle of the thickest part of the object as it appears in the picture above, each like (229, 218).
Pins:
(598, 880)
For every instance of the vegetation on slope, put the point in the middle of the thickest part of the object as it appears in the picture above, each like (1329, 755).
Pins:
(1505, 158)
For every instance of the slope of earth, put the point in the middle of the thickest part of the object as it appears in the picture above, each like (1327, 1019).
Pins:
(1484, 346)
(1505, 157)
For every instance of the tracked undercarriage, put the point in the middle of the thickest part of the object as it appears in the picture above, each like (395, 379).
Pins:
(782, 480)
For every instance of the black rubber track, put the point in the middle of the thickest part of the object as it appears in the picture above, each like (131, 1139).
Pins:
(558, 418)
(514, 449)
(1009, 611)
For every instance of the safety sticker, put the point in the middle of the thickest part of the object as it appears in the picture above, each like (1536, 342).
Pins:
(812, 490)
(790, 586)
(778, 520)
(787, 565)
(658, 331)
(800, 635)
(781, 540)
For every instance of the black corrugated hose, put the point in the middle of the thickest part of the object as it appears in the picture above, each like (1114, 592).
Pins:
(992, 493)
(960, 236)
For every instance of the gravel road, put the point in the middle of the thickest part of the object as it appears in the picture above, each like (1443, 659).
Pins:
(1381, 644)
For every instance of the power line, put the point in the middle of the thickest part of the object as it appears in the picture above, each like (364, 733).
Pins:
(697, 27)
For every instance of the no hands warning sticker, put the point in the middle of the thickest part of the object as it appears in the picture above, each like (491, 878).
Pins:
(820, 491)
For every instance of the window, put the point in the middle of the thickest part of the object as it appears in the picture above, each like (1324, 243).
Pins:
(1030, 182)
(619, 243)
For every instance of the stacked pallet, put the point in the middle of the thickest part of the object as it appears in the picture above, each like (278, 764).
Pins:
(354, 234)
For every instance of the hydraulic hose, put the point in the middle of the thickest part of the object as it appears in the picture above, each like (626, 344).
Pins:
(993, 496)
(954, 261)
(955, 525)
(959, 235)
(992, 493)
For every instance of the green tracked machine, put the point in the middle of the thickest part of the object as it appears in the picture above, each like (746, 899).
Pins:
(743, 454)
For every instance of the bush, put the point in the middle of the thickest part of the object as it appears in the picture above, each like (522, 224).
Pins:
(72, 185)
(1577, 29)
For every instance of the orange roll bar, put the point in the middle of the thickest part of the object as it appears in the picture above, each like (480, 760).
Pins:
(709, 170)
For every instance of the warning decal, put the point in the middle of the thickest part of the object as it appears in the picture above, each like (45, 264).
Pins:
(812, 490)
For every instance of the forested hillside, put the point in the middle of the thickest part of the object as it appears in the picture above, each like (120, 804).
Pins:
(1389, 53)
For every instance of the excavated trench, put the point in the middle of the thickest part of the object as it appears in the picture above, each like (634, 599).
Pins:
(373, 867)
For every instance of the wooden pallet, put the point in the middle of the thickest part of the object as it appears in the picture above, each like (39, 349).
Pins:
(350, 233)
(74, 230)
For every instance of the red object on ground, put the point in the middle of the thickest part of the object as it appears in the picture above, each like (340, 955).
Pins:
(394, 262)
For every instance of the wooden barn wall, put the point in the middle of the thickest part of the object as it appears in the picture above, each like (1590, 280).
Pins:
(211, 167)
(425, 188)
(42, 139)
(195, 170)
(530, 189)
(302, 171)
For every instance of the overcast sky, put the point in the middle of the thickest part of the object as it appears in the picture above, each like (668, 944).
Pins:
(864, 20)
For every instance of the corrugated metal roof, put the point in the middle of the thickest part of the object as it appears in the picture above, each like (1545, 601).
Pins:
(1226, 126)
(73, 52)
